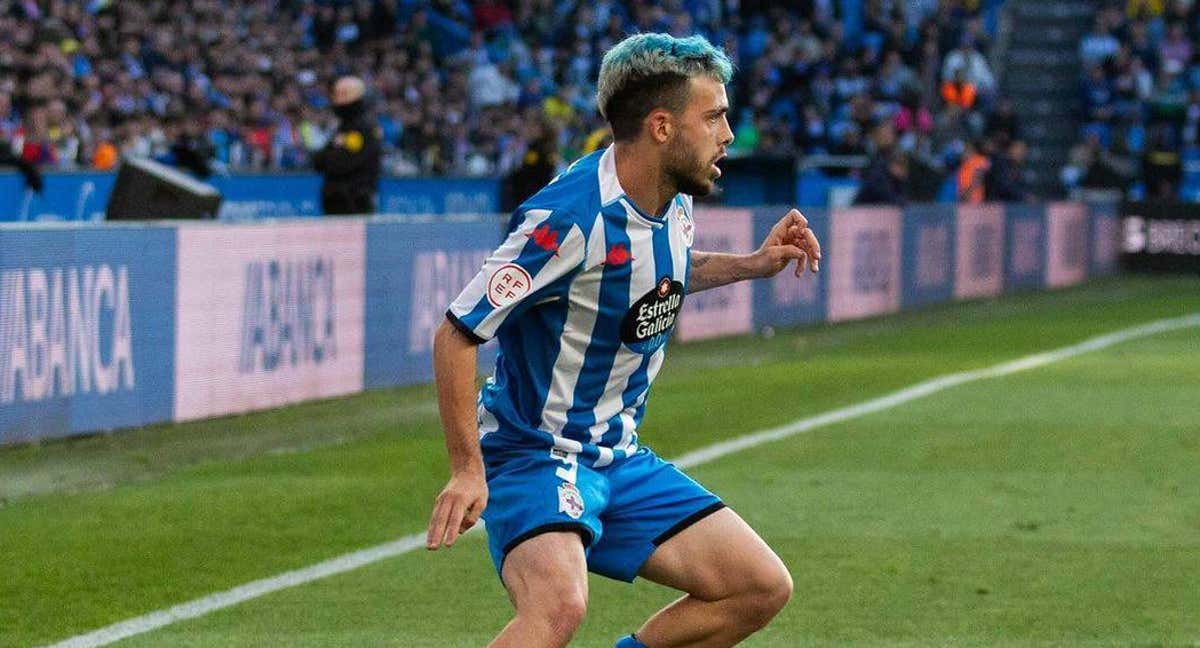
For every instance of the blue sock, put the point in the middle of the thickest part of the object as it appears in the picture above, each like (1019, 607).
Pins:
(630, 641)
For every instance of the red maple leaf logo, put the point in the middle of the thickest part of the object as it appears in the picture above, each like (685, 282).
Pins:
(617, 255)
(545, 238)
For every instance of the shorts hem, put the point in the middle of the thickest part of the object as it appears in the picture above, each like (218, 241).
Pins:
(687, 522)
(585, 534)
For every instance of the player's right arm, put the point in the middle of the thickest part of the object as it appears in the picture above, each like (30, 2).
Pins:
(537, 259)
(461, 502)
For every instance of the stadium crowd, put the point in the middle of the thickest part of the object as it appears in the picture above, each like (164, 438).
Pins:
(472, 88)
(1140, 96)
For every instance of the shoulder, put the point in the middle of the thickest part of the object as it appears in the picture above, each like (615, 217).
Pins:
(571, 199)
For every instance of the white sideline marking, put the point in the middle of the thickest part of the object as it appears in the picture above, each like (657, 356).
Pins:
(347, 562)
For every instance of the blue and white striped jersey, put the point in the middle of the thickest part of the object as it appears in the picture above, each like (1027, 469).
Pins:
(582, 295)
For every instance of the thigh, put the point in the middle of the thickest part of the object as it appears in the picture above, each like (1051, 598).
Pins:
(546, 570)
(532, 493)
(717, 557)
(650, 501)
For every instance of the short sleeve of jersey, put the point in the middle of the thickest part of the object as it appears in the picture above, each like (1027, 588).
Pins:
(540, 255)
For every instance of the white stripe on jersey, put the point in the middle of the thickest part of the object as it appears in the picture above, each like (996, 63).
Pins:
(679, 242)
(487, 420)
(582, 308)
(625, 362)
(606, 172)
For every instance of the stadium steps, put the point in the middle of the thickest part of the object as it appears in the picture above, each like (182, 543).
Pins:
(1041, 75)
(1059, 36)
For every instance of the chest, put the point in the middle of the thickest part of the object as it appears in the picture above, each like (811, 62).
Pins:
(634, 282)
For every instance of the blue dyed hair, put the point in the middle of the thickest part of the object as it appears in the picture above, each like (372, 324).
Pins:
(649, 71)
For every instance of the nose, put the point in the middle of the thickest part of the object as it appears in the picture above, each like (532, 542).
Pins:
(727, 133)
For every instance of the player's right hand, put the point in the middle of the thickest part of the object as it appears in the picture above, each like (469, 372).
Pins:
(457, 508)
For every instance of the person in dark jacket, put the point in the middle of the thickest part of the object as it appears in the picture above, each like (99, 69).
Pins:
(192, 150)
(351, 161)
(1005, 178)
(884, 178)
(8, 157)
(537, 166)
(883, 181)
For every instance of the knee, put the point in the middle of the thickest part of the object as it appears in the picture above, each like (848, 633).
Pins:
(768, 594)
(561, 613)
(567, 614)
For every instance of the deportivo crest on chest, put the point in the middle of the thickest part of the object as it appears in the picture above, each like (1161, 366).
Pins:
(648, 323)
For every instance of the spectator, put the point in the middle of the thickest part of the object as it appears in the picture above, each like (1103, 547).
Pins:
(33, 178)
(1098, 45)
(1176, 50)
(537, 166)
(350, 162)
(1161, 165)
(894, 78)
(1141, 9)
(191, 150)
(1005, 179)
(973, 66)
(884, 180)
(972, 173)
(959, 91)
(913, 116)
(1003, 123)
(456, 81)
(1097, 95)
(1140, 45)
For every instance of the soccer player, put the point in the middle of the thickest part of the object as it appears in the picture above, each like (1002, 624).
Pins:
(583, 295)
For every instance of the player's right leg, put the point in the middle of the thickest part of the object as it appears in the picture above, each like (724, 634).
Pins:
(546, 578)
(543, 512)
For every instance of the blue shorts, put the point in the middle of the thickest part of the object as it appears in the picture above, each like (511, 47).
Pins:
(622, 511)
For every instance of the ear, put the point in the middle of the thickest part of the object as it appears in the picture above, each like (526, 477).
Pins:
(661, 125)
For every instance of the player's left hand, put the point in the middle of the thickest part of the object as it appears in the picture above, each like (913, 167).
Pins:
(789, 239)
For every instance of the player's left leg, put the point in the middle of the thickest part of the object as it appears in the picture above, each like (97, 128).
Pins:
(735, 584)
(662, 525)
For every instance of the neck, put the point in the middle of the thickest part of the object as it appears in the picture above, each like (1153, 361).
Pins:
(641, 175)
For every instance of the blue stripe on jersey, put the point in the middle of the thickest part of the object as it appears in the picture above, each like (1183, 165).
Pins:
(606, 334)
(664, 266)
(533, 350)
(616, 424)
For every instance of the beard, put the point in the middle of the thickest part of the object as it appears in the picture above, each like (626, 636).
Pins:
(687, 169)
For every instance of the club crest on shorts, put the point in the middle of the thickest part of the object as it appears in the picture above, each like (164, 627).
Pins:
(569, 500)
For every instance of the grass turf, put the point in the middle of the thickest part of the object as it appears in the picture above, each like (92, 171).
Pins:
(1056, 506)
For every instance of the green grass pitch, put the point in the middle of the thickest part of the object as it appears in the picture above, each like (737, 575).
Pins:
(1054, 507)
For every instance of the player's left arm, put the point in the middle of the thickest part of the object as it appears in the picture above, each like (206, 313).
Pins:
(790, 239)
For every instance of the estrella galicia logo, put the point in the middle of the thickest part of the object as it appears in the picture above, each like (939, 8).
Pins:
(648, 323)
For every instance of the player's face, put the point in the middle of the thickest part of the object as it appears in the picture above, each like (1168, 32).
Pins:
(700, 141)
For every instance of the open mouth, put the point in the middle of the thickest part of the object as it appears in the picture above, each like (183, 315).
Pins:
(715, 168)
